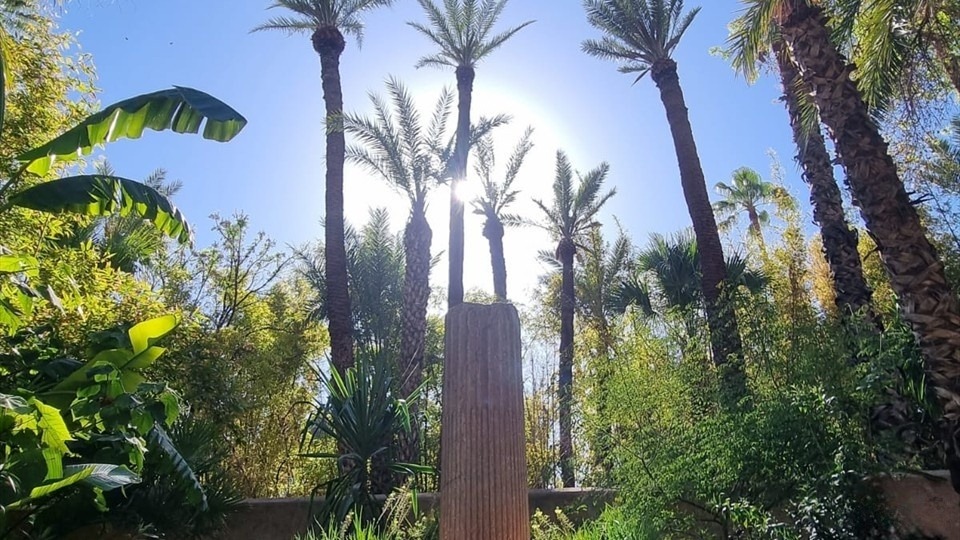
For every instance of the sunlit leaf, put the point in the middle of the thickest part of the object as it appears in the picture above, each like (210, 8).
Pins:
(180, 109)
(104, 476)
(97, 195)
(143, 334)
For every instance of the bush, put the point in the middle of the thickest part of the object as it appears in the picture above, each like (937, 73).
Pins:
(789, 463)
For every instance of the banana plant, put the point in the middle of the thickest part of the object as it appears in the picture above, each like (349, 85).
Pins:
(130, 360)
(34, 460)
(179, 109)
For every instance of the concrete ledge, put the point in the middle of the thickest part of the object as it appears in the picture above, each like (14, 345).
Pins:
(281, 519)
(923, 503)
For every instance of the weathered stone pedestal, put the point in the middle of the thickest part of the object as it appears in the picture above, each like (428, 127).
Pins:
(483, 480)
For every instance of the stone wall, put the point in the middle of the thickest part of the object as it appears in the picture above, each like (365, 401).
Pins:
(923, 504)
(281, 519)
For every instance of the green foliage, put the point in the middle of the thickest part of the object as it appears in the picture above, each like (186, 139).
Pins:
(168, 495)
(96, 195)
(461, 30)
(401, 519)
(363, 415)
(790, 466)
(241, 357)
(613, 524)
(106, 418)
(180, 109)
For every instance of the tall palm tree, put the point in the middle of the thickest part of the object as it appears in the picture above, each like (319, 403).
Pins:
(748, 48)
(642, 35)
(394, 145)
(929, 304)
(747, 194)
(327, 21)
(493, 202)
(571, 215)
(853, 295)
(462, 30)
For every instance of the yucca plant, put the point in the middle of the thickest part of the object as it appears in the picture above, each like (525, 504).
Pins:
(359, 410)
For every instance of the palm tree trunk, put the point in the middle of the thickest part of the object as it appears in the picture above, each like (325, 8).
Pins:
(928, 303)
(329, 44)
(755, 227)
(416, 294)
(839, 240)
(493, 231)
(461, 151)
(566, 251)
(724, 332)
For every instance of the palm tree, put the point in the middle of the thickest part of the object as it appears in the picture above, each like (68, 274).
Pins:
(375, 263)
(893, 39)
(602, 266)
(747, 194)
(570, 217)
(642, 35)
(853, 295)
(327, 21)
(493, 202)
(929, 304)
(462, 31)
(747, 48)
(669, 277)
(394, 145)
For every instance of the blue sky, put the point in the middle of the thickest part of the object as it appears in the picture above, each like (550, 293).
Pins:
(273, 171)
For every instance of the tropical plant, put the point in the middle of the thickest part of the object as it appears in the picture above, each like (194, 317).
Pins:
(602, 266)
(642, 35)
(569, 218)
(669, 275)
(361, 412)
(396, 147)
(462, 30)
(494, 200)
(128, 242)
(114, 418)
(411, 158)
(929, 304)
(375, 263)
(327, 21)
(894, 40)
(747, 194)
(839, 246)
(168, 500)
(182, 110)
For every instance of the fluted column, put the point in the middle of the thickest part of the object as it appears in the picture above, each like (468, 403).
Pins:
(483, 481)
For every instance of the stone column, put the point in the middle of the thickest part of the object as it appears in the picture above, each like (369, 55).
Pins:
(483, 478)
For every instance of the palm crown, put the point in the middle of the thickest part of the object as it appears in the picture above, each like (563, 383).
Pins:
(747, 194)
(462, 31)
(573, 212)
(310, 15)
(638, 33)
(496, 196)
(395, 145)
